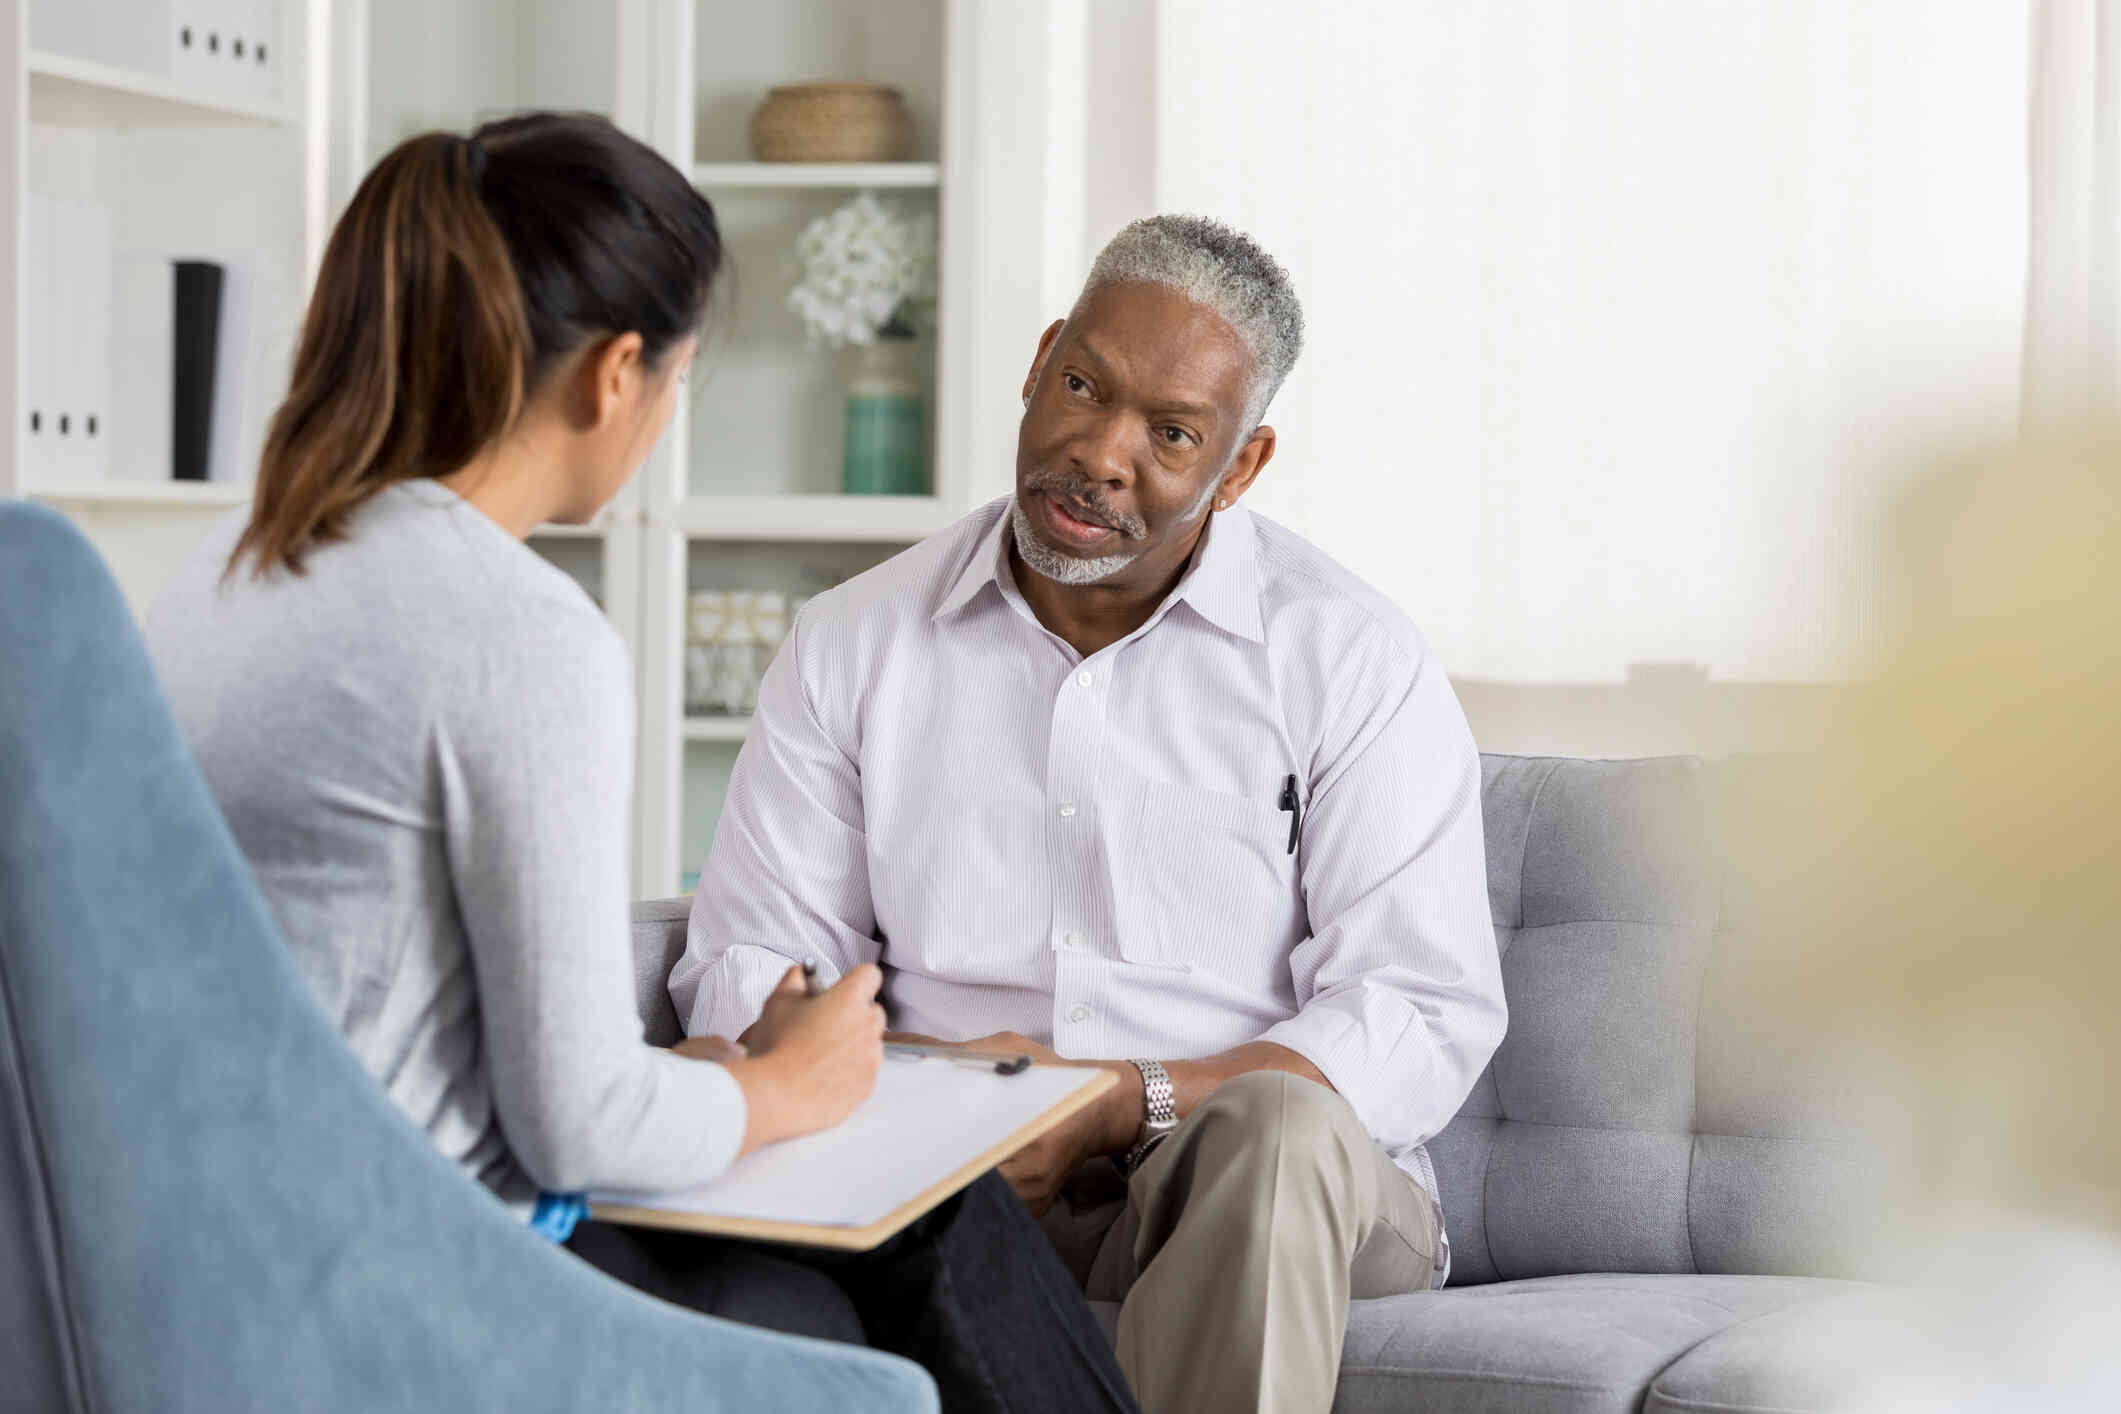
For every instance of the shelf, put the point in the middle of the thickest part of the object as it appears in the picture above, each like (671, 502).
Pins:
(874, 519)
(70, 92)
(716, 728)
(817, 174)
(140, 493)
(555, 530)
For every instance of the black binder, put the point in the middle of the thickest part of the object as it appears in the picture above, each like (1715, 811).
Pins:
(196, 348)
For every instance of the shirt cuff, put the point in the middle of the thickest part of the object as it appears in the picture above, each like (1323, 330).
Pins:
(733, 991)
(1374, 1073)
(1321, 1036)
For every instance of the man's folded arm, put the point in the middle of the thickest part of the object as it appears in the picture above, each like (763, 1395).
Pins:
(1399, 987)
(787, 878)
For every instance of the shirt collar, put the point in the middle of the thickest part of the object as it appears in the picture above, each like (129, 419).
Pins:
(984, 566)
(1222, 586)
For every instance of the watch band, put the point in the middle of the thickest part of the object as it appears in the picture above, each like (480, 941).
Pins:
(1159, 1111)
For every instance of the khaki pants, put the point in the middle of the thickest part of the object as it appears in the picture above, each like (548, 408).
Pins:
(1237, 1246)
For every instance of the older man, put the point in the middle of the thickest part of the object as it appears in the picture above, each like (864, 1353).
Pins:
(1115, 769)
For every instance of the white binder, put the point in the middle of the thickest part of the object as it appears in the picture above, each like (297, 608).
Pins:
(67, 27)
(66, 462)
(270, 61)
(222, 48)
(143, 360)
(233, 451)
(128, 34)
(91, 254)
(254, 50)
(191, 31)
(40, 432)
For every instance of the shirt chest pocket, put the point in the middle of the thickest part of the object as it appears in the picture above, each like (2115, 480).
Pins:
(1205, 880)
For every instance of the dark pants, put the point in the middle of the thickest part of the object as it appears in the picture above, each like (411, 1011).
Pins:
(973, 1291)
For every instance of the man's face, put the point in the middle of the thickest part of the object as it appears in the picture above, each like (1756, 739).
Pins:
(1133, 409)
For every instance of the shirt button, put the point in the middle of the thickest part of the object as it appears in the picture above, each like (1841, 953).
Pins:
(1067, 810)
(1078, 1013)
(1073, 940)
(1086, 679)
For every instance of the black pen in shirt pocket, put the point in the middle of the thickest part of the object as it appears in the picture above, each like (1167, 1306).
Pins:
(1294, 806)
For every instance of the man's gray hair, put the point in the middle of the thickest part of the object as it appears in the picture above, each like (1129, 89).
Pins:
(1224, 269)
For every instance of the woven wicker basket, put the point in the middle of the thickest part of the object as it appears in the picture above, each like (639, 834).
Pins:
(832, 122)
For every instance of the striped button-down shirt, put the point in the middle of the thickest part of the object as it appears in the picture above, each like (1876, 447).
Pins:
(1094, 851)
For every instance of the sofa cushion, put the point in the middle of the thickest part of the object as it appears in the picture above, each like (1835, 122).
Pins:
(1551, 1345)
(1815, 1355)
(1580, 1344)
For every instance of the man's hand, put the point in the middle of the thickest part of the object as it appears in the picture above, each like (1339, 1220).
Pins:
(1038, 1170)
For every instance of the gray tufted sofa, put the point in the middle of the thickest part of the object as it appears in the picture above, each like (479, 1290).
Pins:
(1653, 1193)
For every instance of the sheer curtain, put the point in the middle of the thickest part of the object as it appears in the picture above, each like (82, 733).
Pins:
(1625, 316)
(2073, 299)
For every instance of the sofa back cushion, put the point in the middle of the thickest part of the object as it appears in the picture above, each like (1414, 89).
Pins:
(658, 943)
(1651, 1109)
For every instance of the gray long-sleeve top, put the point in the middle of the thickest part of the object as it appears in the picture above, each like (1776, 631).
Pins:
(424, 745)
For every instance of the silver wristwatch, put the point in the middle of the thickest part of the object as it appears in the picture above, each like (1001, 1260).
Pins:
(1159, 1113)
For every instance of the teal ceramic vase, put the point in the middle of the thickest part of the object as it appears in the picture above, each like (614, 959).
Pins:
(887, 435)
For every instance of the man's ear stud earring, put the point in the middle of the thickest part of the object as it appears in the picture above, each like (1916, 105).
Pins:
(1222, 505)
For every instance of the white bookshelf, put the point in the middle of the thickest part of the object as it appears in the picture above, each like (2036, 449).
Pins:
(203, 167)
(863, 519)
(206, 495)
(590, 530)
(69, 91)
(716, 729)
(844, 176)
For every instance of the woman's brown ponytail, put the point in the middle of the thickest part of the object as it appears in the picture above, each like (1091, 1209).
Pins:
(459, 272)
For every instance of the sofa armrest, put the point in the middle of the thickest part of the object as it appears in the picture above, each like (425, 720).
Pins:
(658, 942)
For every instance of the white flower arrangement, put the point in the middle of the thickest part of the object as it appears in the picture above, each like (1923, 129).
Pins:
(865, 269)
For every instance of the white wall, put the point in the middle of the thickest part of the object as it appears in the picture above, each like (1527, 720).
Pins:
(1623, 317)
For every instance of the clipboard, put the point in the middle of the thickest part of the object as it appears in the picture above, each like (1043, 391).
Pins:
(928, 1129)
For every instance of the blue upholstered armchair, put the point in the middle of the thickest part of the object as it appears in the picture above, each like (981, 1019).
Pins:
(205, 1202)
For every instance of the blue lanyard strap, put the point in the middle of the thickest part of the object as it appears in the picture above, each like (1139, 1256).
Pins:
(556, 1214)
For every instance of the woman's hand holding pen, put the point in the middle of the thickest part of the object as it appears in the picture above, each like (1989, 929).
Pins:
(810, 1059)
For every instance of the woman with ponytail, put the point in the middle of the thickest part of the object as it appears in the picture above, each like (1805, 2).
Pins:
(422, 736)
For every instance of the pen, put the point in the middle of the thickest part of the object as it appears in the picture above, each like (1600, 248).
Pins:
(1003, 1065)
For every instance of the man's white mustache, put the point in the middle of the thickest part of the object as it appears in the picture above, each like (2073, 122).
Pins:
(1073, 499)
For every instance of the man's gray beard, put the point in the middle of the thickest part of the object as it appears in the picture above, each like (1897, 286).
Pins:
(1060, 568)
